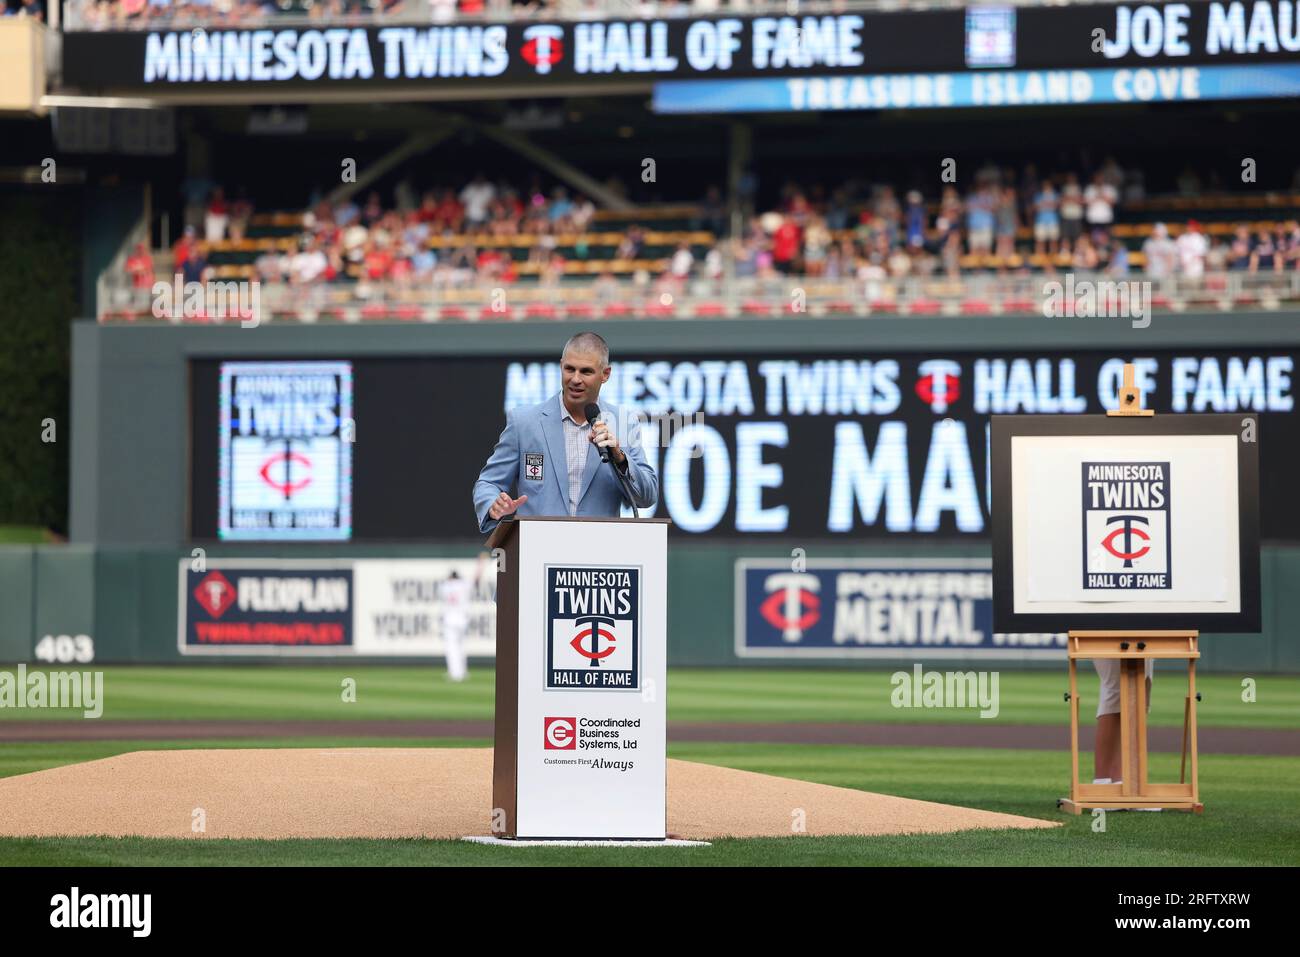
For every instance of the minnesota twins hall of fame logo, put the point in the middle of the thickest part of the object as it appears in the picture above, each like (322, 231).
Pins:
(593, 619)
(1126, 525)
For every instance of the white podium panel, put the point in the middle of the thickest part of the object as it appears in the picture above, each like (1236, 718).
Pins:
(590, 758)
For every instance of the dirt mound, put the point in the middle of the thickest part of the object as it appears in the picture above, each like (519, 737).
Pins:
(415, 792)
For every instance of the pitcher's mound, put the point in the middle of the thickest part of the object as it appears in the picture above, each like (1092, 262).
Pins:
(414, 792)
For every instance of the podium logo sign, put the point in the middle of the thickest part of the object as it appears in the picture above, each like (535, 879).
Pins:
(1126, 526)
(593, 628)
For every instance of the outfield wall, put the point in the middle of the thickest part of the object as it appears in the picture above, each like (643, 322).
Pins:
(132, 461)
(131, 386)
(125, 601)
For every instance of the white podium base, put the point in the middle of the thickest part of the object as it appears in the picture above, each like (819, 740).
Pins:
(503, 842)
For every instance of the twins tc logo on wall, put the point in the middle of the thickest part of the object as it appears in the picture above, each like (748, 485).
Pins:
(1126, 525)
(593, 616)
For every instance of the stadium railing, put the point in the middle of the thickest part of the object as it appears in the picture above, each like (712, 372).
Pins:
(662, 298)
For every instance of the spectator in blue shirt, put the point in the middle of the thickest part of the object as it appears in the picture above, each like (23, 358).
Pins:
(915, 220)
(980, 220)
(561, 205)
(1047, 220)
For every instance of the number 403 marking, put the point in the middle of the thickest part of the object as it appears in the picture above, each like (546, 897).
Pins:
(61, 648)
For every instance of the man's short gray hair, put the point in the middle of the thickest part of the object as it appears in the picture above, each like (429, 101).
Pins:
(587, 342)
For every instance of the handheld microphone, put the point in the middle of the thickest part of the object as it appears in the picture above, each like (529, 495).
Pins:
(592, 411)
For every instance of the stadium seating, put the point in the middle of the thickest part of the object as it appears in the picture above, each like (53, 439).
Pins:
(657, 262)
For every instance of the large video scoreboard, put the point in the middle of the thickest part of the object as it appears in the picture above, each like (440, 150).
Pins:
(880, 445)
(1160, 51)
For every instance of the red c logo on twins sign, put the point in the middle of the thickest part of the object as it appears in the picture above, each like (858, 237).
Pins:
(793, 606)
(1129, 531)
(285, 484)
(561, 734)
(602, 642)
(774, 610)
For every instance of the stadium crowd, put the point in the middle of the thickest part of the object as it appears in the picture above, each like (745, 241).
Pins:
(1007, 222)
(23, 8)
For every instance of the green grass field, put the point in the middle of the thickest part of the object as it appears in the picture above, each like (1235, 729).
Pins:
(1250, 819)
(1250, 801)
(314, 693)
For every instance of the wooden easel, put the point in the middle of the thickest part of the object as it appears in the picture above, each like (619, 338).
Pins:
(1133, 648)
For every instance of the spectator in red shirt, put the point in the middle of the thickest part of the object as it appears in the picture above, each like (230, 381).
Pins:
(184, 247)
(786, 241)
(428, 211)
(402, 268)
(490, 264)
(450, 213)
(503, 216)
(217, 217)
(139, 266)
(378, 262)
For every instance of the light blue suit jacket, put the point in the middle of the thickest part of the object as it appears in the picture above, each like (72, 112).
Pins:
(529, 459)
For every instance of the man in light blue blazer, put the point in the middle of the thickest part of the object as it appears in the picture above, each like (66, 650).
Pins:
(548, 454)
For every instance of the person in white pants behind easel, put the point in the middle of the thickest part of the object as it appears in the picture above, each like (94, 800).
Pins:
(1106, 751)
(454, 596)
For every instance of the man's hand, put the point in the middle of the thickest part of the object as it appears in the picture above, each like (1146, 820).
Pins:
(505, 505)
(605, 439)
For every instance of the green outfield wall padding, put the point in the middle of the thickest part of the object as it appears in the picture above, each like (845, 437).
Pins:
(125, 600)
(17, 592)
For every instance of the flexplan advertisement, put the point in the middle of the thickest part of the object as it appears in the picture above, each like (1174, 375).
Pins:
(297, 607)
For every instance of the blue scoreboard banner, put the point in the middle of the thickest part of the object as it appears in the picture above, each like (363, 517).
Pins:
(989, 89)
(874, 608)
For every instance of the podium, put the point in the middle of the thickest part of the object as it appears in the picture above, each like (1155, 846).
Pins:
(580, 725)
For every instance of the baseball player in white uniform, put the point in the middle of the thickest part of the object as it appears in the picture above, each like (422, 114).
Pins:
(454, 596)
